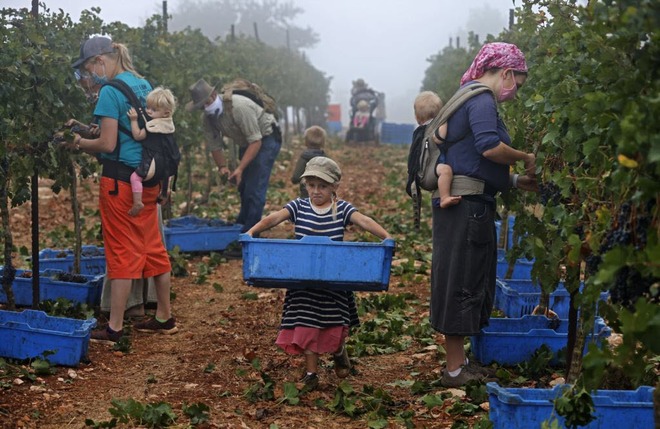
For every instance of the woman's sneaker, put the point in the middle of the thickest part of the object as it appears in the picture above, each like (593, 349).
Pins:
(342, 363)
(154, 326)
(461, 379)
(105, 336)
(476, 368)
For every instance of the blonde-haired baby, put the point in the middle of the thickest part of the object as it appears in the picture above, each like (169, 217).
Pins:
(427, 106)
(161, 105)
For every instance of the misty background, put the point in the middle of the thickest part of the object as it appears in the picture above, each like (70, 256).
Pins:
(385, 42)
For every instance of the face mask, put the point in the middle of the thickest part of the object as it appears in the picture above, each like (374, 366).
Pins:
(99, 80)
(507, 94)
(214, 108)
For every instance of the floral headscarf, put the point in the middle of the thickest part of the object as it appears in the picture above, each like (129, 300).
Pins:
(495, 55)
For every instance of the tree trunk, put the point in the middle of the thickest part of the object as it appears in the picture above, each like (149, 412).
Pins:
(34, 191)
(188, 164)
(285, 132)
(656, 404)
(8, 272)
(572, 284)
(575, 362)
(76, 218)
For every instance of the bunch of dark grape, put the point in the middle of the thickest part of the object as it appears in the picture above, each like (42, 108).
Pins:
(619, 234)
(70, 278)
(91, 252)
(592, 263)
(549, 193)
(630, 285)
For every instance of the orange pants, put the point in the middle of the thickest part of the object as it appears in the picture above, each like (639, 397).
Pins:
(134, 248)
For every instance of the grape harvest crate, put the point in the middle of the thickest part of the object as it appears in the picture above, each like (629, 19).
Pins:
(50, 288)
(92, 260)
(317, 262)
(518, 297)
(30, 333)
(193, 234)
(512, 341)
(529, 408)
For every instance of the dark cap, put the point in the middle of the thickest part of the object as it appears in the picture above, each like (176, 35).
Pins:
(92, 47)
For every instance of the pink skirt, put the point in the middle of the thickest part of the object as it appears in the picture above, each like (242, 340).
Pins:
(295, 341)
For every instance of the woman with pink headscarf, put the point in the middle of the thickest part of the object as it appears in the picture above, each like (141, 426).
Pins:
(464, 242)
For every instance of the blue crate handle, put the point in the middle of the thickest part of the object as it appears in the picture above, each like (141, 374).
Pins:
(388, 242)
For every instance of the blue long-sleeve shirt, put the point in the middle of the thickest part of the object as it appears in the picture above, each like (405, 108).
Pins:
(476, 127)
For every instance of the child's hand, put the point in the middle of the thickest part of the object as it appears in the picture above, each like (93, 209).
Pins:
(132, 114)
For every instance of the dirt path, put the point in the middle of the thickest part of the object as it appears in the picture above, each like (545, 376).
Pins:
(226, 326)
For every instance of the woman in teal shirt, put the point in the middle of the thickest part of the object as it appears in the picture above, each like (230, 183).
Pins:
(133, 245)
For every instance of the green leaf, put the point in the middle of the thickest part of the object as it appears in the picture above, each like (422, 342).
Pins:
(432, 400)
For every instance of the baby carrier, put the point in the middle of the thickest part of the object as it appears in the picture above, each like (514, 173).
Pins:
(162, 147)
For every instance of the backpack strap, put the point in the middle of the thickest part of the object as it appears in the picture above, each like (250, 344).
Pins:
(455, 102)
(227, 105)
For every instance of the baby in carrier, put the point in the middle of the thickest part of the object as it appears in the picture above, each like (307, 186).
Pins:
(161, 104)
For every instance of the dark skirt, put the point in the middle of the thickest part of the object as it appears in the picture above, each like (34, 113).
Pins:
(463, 267)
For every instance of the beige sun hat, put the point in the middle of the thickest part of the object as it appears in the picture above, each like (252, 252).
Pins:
(324, 168)
(200, 91)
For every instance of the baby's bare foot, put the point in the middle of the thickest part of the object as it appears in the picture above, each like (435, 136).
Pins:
(449, 201)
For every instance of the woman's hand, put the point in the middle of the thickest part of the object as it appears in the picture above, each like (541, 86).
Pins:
(94, 130)
(530, 165)
(527, 183)
(67, 139)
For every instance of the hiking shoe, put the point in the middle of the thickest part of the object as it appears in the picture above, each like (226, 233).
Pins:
(460, 380)
(155, 327)
(476, 368)
(105, 336)
(342, 363)
(310, 382)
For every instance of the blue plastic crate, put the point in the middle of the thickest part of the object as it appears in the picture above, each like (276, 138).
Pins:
(396, 133)
(28, 334)
(193, 234)
(529, 408)
(512, 341)
(88, 293)
(518, 297)
(522, 269)
(92, 260)
(317, 262)
(334, 127)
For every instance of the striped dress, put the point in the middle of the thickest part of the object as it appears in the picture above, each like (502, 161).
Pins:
(317, 308)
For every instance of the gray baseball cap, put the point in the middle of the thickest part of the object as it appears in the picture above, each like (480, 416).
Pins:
(92, 47)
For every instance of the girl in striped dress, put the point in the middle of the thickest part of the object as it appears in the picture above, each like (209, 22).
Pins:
(316, 321)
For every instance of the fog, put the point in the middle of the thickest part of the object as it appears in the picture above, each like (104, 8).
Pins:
(385, 42)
